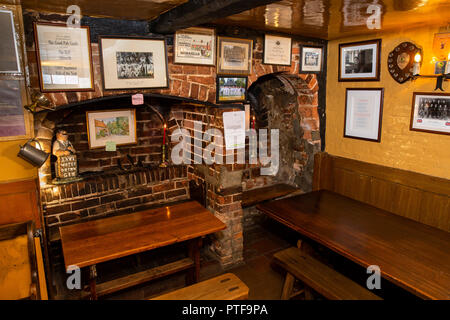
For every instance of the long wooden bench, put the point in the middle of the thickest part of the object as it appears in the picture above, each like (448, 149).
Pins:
(224, 287)
(315, 275)
(255, 196)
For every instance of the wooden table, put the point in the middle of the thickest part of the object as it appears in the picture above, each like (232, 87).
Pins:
(89, 243)
(412, 255)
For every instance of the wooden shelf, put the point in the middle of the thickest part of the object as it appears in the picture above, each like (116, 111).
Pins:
(255, 196)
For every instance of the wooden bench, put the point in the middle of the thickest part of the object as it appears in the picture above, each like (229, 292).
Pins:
(319, 277)
(224, 287)
(255, 196)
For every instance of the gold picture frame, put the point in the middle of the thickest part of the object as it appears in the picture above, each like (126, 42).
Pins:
(234, 56)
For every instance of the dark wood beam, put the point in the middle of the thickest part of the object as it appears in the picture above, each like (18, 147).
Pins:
(196, 12)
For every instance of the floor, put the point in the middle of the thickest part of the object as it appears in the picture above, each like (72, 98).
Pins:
(263, 278)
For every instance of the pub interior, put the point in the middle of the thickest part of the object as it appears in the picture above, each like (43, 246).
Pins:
(225, 150)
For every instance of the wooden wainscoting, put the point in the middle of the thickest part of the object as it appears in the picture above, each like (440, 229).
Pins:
(416, 196)
(19, 202)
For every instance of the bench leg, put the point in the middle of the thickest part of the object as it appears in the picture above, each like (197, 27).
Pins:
(92, 281)
(287, 287)
(193, 274)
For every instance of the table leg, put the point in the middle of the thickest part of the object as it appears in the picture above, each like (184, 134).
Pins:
(92, 281)
(193, 274)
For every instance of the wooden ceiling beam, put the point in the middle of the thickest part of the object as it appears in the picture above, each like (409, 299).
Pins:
(197, 12)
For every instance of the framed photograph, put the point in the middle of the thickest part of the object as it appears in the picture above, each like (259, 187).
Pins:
(311, 59)
(112, 126)
(64, 57)
(231, 89)
(277, 50)
(195, 46)
(360, 61)
(133, 63)
(234, 56)
(9, 54)
(431, 112)
(363, 113)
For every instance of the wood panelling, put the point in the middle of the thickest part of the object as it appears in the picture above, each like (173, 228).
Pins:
(19, 202)
(416, 196)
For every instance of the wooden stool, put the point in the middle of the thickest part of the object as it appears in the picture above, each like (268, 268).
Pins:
(224, 287)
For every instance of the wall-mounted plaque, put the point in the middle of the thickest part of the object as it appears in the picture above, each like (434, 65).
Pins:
(195, 46)
(64, 58)
(277, 50)
(401, 60)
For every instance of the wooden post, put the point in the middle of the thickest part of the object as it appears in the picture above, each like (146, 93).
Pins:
(92, 281)
(193, 274)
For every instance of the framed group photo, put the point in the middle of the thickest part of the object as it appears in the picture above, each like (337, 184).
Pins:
(195, 46)
(133, 63)
(311, 59)
(234, 56)
(64, 57)
(360, 61)
(231, 89)
(431, 112)
(277, 50)
(111, 126)
(363, 113)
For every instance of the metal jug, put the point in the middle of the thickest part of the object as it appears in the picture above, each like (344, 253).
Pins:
(33, 155)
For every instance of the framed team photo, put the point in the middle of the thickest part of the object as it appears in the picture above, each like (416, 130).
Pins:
(431, 112)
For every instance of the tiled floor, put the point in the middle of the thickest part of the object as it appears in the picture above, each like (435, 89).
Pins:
(263, 279)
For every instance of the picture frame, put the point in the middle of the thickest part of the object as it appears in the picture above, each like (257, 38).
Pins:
(363, 113)
(231, 89)
(9, 59)
(311, 59)
(111, 126)
(359, 61)
(64, 57)
(133, 62)
(195, 46)
(430, 112)
(234, 56)
(277, 50)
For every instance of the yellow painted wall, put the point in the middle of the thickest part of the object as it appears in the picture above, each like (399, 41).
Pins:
(12, 167)
(421, 152)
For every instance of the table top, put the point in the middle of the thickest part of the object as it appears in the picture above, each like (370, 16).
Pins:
(92, 242)
(410, 254)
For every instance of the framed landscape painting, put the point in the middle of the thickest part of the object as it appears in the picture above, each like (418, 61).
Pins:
(133, 63)
(115, 126)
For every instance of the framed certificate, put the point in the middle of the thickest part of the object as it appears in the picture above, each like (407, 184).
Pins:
(234, 56)
(195, 46)
(431, 112)
(64, 57)
(277, 50)
(132, 62)
(363, 113)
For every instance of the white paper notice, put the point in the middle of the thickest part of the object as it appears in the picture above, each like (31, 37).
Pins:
(234, 129)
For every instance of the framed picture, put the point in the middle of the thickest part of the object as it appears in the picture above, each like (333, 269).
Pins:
(360, 61)
(9, 54)
(195, 46)
(112, 126)
(311, 59)
(234, 56)
(277, 50)
(431, 112)
(231, 89)
(64, 57)
(363, 113)
(133, 63)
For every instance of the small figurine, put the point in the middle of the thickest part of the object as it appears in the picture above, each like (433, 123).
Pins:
(66, 167)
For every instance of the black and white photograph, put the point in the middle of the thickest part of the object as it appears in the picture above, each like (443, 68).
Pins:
(135, 65)
(311, 59)
(431, 112)
(234, 56)
(359, 61)
(132, 62)
(231, 89)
